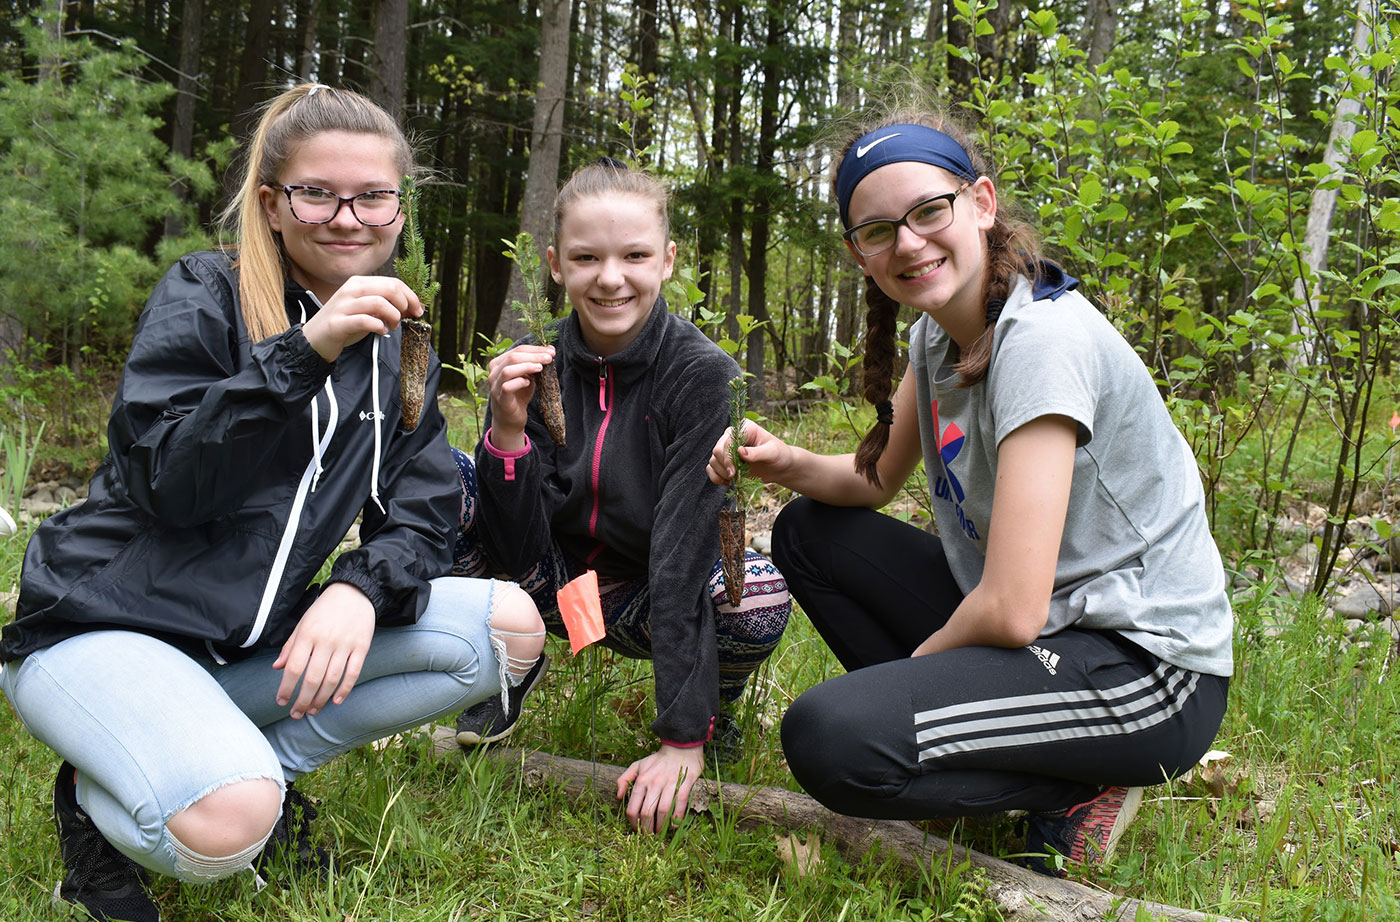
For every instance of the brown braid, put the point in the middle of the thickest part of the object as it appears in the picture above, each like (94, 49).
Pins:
(1013, 247)
(880, 349)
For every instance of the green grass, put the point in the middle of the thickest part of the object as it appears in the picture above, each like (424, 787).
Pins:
(1302, 822)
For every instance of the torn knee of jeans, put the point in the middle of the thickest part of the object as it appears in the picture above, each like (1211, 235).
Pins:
(193, 868)
(513, 669)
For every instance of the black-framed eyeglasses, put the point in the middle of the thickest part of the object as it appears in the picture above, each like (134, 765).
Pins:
(933, 214)
(314, 205)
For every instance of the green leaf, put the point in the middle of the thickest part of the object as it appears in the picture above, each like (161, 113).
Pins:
(1113, 212)
(1390, 277)
(1363, 141)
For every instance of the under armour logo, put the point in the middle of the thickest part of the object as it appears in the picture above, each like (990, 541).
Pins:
(865, 148)
(371, 414)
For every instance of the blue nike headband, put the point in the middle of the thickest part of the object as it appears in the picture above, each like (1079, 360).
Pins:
(893, 144)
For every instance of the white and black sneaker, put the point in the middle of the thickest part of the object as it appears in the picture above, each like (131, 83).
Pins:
(98, 879)
(486, 722)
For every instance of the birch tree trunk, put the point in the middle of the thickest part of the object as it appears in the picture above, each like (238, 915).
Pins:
(1324, 200)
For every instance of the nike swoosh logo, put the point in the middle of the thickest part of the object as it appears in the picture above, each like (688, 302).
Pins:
(862, 151)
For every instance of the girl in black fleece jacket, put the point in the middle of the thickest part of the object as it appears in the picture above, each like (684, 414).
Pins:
(644, 397)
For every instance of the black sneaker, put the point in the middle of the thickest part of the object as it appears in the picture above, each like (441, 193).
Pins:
(486, 722)
(99, 880)
(727, 741)
(290, 846)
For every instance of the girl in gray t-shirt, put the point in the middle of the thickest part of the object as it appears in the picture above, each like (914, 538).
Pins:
(1065, 639)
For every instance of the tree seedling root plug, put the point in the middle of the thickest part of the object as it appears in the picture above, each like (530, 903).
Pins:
(733, 530)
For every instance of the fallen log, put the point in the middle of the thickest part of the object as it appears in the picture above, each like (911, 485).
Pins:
(1021, 895)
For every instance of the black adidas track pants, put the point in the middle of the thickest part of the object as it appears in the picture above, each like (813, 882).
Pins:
(970, 731)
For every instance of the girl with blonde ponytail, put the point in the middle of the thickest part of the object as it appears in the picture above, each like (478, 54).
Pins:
(1065, 637)
(171, 641)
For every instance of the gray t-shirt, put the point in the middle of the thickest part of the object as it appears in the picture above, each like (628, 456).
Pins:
(1137, 556)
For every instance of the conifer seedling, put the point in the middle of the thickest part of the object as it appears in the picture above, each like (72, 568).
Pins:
(539, 320)
(417, 335)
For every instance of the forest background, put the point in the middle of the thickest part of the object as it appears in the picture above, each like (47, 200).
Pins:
(1222, 176)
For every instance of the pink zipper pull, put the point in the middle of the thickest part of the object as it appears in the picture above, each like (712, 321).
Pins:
(602, 385)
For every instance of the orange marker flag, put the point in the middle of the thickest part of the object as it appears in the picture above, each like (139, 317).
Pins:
(582, 611)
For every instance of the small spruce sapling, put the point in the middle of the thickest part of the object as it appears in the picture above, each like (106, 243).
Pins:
(732, 518)
(539, 320)
(417, 335)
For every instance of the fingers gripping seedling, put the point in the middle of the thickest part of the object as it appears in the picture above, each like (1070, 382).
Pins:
(415, 272)
(732, 532)
(538, 318)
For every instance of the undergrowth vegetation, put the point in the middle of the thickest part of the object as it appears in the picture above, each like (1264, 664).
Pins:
(1297, 816)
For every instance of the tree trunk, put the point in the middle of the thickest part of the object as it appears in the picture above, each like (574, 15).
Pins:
(933, 25)
(762, 208)
(308, 17)
(386, 79)
(1100, 26)
(546, 143)
(735, 155)
(992, 48)
(711, 155)
(252, 69)
(848, 284)
(1324, 200)
(960, 71)
(1021, 895)
(648, 41)
(182, 137)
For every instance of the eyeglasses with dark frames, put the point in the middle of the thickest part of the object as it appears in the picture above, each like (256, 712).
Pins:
(314, 205)
(933, 214)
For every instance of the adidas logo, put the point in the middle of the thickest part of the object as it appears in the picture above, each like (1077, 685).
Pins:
(1048, 659)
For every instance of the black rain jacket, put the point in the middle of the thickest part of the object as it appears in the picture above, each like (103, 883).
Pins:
(208, 522)
(628, 494)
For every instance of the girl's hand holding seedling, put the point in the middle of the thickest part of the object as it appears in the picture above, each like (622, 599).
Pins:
(766, 455)
(511, 379)
(326, 650)
(365, 305)
(661, 784)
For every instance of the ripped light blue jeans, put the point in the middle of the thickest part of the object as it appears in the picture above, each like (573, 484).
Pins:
(152, 729)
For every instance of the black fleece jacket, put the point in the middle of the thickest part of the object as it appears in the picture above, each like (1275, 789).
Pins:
(202, 525)
(628, 494)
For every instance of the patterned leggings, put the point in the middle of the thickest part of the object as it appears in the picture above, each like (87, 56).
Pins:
(746, 635)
